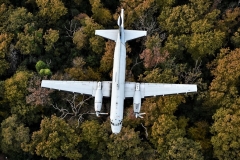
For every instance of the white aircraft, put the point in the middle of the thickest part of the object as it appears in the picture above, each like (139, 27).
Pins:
(118, 89)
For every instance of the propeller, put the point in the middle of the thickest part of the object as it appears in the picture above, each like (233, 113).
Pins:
(139, 115)
(98, 113)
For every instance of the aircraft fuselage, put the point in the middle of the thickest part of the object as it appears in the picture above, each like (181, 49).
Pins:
(118, 83)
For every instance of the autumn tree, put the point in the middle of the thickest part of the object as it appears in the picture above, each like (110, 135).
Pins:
(183, 148)
(107, 59)
(134, 10)
(225, 130)
(224, 88)
(37, 96)
(51, 9)
(95, 136)
(16, 20)
(78, 71)
(200, 133)
(125, 145)
(85, 37)
(191, 28)
(229, 21)
(15, 94)
(51, 36)
(153, 54)
(164, 130)
(224, 91)
(236, 38)
(55, 139)
(5, 40)
(30, 41)
(100, 14)
(14, 134)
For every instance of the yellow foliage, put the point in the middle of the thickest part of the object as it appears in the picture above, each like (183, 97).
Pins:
(52, 9)
(100, 14)
(5, 40)
(51, 36)
(79, 72)
(107, 59)
(224, 87)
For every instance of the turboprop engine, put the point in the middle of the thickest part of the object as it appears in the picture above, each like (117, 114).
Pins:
(98, 99)
(137, 101)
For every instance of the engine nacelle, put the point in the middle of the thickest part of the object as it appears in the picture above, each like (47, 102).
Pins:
(137, 99)
(98, 99)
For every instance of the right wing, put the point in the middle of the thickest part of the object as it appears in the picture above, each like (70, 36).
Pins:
(158, 89)
(155, 89)
(83, 87)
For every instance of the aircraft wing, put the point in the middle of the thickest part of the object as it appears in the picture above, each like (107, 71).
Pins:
(83, 87)
(157, 89)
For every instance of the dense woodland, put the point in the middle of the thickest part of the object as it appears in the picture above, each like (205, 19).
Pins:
(188, 42)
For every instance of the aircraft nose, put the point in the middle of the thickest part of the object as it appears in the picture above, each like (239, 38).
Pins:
(116, 129)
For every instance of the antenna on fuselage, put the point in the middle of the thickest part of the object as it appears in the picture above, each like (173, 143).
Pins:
(119, 21)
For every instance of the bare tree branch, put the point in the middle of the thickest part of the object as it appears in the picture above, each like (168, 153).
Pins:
(145, 130)
(75, 108)
(193, 74)
(136, 63)
(71, 29)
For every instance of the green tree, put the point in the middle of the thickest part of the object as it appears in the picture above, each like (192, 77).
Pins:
(40, 65)
(45, 72)
(54, 139)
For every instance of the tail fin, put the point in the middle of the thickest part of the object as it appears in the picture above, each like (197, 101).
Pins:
(109, 34)
(133, 34)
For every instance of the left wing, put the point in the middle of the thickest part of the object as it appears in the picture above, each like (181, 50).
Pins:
(83, 87)
(157, 89)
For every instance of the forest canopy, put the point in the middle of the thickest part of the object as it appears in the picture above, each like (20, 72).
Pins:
(187, 42)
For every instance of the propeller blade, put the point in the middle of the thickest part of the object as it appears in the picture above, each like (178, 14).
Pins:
(139, 115)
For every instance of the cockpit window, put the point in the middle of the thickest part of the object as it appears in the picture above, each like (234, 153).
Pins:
(117, 124)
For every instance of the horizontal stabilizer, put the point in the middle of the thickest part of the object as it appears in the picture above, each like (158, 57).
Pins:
(133, 34)
(109, 34)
